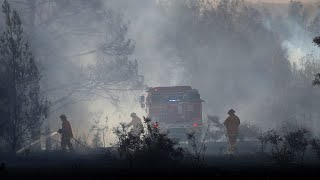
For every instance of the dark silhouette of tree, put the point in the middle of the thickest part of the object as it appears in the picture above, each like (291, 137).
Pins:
(25, 107)
(316, 80)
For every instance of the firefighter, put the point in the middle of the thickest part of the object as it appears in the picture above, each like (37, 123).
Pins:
(136, 123)
(232, 125)
(66, 134)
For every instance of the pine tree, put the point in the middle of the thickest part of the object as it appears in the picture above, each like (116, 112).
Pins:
(26, 107)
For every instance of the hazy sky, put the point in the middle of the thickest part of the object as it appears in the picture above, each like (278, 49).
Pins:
(283, 1)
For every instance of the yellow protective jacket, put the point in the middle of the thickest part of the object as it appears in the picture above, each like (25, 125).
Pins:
(232, 124)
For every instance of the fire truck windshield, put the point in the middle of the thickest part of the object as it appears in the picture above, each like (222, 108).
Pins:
(159, 98)
(166, 98)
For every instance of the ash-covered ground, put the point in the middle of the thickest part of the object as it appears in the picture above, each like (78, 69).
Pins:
(247, 162)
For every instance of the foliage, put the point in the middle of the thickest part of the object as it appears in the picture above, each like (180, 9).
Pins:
(96, 141)
(264, 139)
(279, 149)
(150, 146)
(287, 147)
(127, 144)
(198, 152)
(316, 41)
(100, 129)
(57, 30)
(297, 142)
(316, 80)
(315, 143)
(26, 108)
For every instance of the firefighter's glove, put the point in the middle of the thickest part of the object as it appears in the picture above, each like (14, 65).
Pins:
(60, 131)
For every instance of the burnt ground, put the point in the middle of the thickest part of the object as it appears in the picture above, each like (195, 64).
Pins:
(95, 165)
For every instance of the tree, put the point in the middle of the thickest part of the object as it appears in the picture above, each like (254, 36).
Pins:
(316, 80)
(59, 23)
(100, 129)
(96, 141)
(26, 108)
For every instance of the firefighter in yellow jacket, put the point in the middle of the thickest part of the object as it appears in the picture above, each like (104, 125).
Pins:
(66, 134)
(232, 125)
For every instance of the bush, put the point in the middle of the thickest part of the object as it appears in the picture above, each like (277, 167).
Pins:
(286, 147)
(158, 143)
(264, 139)
(198, 150)
(153, 146)
(297, 142)
(279, 149)
(315, 143)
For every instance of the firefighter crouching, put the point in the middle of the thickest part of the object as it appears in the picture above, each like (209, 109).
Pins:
(66, 134)
(136, 123)
(232, 125)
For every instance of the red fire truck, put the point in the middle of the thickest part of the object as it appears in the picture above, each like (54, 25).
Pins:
(177, 109)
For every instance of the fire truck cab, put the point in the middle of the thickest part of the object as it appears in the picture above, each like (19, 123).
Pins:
(177, 109)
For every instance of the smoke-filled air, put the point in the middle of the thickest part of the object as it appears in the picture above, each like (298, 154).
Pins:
(173, 84)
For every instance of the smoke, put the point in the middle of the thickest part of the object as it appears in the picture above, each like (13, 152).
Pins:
(233, 52)
(298, 44)
(231, 64)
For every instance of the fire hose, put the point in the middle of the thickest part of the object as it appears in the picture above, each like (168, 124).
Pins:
(80, 143)
(47, 136)
(35, 142)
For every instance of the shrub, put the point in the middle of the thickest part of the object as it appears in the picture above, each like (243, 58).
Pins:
(264, 139)
(297, 143)
(287, 147)
(315, 143)
(153, 146)
(127, 144)
(198, 151)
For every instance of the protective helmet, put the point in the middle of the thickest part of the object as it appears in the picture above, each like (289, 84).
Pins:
(231, 111)
(133, 114)
(63, 116)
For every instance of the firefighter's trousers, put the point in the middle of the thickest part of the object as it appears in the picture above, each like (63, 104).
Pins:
(65, 141)
(232, 141)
